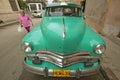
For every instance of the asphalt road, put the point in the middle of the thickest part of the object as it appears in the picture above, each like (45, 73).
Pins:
(11, 56)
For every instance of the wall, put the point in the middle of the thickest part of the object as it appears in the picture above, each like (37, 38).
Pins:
(5, 6)
(104, 16)
(96, 11)
(112, 22)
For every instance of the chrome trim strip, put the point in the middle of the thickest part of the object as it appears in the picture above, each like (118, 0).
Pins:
(74, 73)
(64, 60)
(64, 30)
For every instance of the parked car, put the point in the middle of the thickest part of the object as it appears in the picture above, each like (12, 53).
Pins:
(63, 45)
(37, 13)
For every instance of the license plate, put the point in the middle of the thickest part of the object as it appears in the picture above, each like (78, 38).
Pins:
(61, 73)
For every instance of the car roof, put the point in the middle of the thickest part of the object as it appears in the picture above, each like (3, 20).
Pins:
(71, 4)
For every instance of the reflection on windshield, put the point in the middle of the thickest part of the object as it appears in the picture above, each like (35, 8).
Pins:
(63, 11)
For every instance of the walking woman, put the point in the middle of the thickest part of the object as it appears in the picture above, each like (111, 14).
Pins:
(25, 20)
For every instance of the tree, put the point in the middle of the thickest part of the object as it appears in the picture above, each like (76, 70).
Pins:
(22, 4)
(55, 0)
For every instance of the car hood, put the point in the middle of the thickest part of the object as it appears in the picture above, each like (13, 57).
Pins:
(63, 34)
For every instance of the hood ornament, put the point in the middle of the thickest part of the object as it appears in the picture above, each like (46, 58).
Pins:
(64, 35)
(64, 30)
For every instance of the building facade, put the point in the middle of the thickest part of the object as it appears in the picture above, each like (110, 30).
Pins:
(104, 16)
(8, 6)
(76, 1)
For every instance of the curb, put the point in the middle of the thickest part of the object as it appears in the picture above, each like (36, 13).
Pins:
(8, 23)
(115, 39)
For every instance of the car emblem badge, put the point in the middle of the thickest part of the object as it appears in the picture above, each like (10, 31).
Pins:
(64, 35)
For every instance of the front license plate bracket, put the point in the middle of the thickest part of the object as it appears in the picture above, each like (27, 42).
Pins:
(61, 73)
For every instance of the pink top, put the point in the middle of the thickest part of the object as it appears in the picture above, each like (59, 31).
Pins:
(24, 20)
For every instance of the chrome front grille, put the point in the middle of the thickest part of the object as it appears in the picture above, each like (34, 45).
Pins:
(64, 60)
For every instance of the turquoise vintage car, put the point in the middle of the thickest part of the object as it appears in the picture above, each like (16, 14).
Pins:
(63, 45)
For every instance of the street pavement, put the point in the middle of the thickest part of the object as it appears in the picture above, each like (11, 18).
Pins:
(111, 57)
(11, 55)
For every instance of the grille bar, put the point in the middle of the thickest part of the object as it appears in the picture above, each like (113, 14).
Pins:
(64, 60)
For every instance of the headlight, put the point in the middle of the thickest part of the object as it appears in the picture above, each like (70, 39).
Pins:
(100, 49)
(27, 47)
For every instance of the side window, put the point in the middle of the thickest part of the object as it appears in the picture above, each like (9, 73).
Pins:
(47, 10)
(75, 12)
(80, 12)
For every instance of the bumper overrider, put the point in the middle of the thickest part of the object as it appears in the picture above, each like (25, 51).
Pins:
(62, 62)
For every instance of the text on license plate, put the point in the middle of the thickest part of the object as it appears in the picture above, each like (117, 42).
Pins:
(61, 73)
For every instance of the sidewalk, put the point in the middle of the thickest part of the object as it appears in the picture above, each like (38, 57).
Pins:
(114, 39)
(110, 60)
(8, 18)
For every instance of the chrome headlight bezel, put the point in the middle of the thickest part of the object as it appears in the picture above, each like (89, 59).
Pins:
(27, 47)
(100, 49)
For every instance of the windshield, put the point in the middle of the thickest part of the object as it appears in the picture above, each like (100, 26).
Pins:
(63, 11)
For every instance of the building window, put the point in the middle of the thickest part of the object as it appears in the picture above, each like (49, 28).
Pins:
(13, 5)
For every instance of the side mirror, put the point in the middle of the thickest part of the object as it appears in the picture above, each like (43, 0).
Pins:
(85, 17)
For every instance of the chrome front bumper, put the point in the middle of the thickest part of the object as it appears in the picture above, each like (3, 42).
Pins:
(49, 72)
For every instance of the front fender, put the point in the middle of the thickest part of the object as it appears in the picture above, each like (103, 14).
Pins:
(90, 40)
(36, 39)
